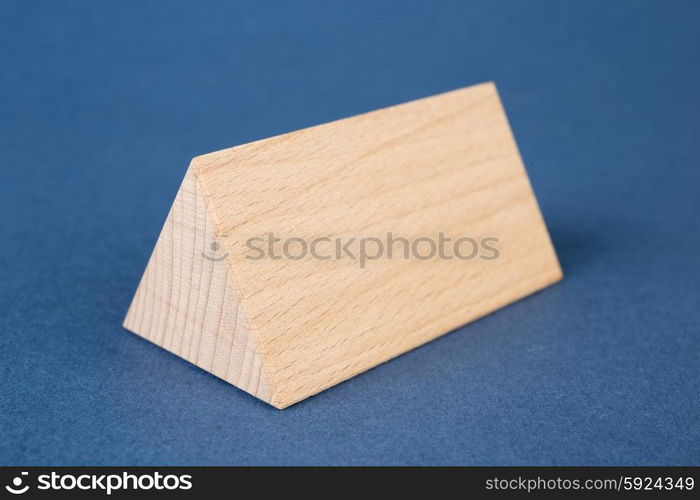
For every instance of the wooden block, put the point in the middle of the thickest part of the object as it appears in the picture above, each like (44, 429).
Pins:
(286, 328)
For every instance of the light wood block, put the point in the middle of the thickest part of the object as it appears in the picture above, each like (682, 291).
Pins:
(285, 329)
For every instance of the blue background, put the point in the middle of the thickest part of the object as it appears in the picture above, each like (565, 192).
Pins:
(102, 105)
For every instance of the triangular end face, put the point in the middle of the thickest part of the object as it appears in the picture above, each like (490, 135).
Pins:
(187, 301)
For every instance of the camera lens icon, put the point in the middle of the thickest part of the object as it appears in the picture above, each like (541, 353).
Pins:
(16, 487)
(215, 246)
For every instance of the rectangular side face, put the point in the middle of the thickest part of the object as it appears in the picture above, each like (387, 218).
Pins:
(446, 164)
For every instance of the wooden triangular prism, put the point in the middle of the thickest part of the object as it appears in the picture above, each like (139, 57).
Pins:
(268, 272)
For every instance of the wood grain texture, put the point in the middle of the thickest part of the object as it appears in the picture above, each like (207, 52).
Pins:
(286, 329)
(188, 304)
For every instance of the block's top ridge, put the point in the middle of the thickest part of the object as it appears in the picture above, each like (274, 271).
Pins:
(221, 157)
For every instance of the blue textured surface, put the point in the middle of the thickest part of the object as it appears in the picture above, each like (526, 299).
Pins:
(102, 106)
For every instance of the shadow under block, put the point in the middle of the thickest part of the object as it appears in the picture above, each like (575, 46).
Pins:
(285, 329)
